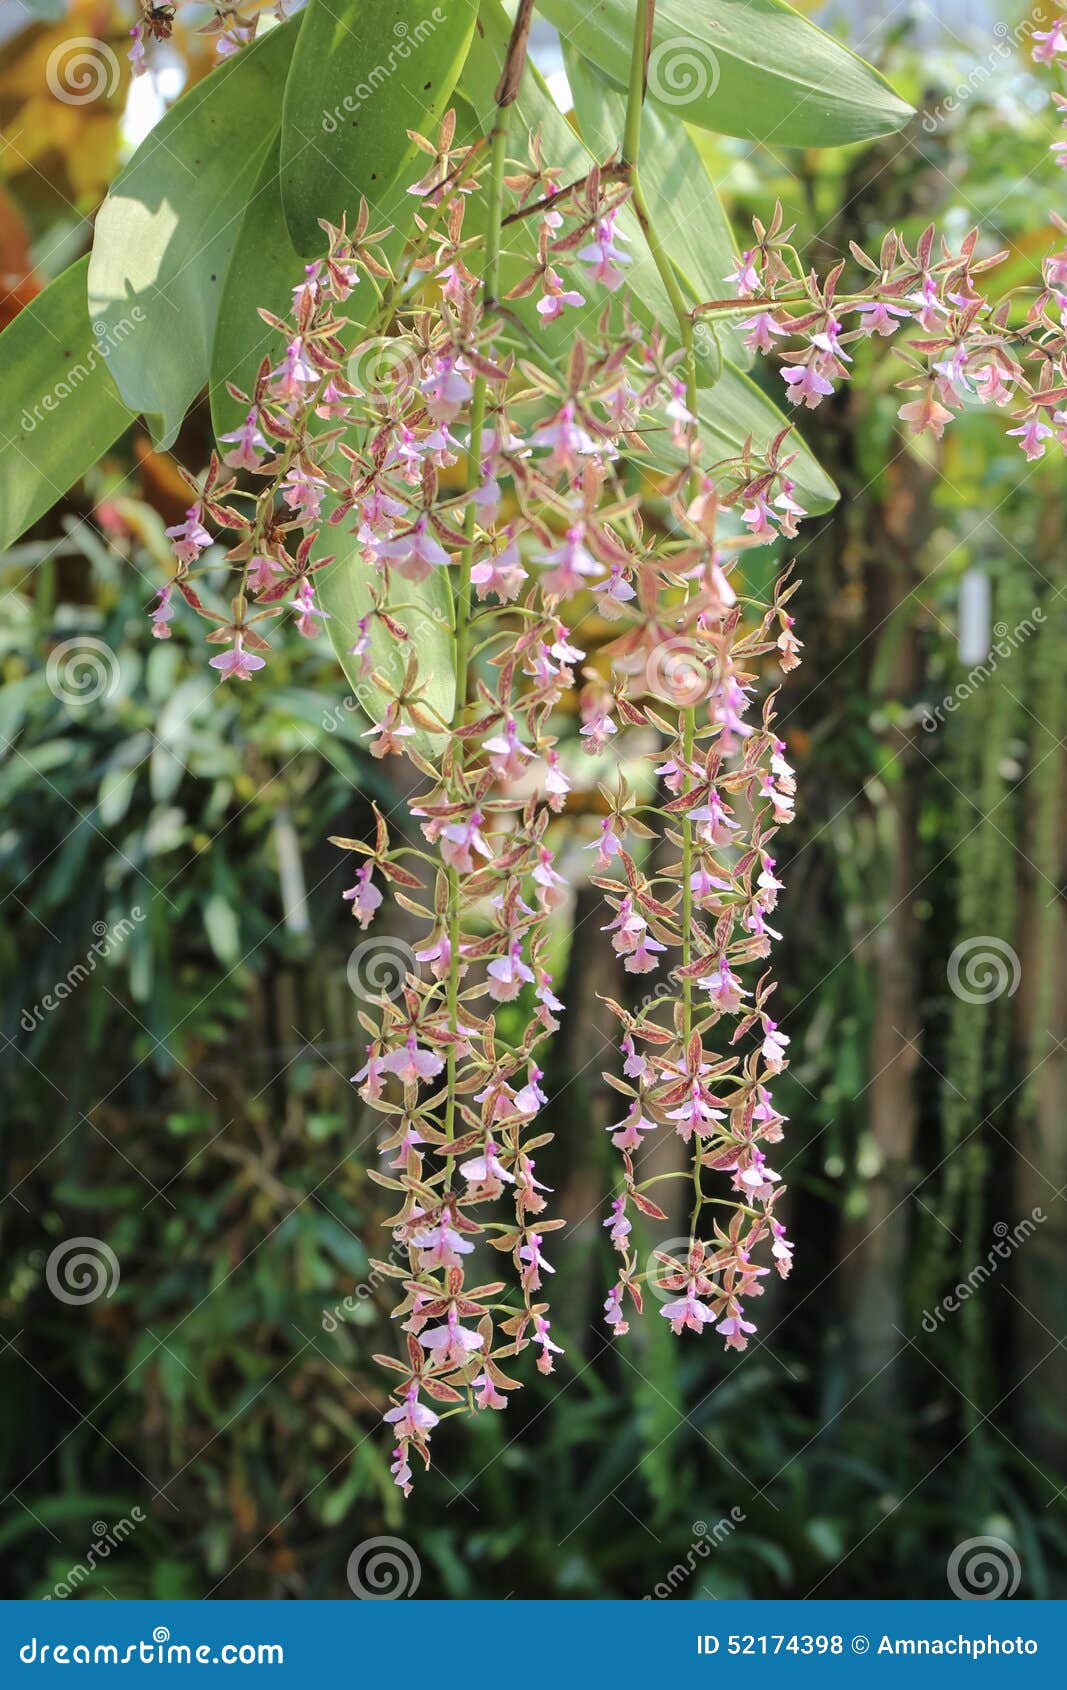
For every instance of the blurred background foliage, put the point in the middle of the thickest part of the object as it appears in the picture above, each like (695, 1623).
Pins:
(189, 1103)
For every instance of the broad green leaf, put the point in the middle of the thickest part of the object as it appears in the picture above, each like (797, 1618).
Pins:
(753, 68)
(263, 270)
(61, 409)
(344, 589)
(364, 73)
(165, 233)
(689, 221)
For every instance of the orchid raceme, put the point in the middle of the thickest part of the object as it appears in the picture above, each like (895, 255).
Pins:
(1010, 353)
(228, 26)
(481, 458)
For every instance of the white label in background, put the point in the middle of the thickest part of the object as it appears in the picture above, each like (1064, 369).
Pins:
(975, 610)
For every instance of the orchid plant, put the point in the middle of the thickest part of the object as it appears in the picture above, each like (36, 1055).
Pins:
(486, 461)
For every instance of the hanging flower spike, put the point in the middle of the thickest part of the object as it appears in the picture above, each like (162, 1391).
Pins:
(500, 467)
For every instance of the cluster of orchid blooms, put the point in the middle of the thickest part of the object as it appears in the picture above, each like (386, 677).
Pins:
(228, 25)
(483, 457)
(968, 350)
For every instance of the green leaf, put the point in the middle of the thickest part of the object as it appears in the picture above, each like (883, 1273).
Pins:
(222, 929)
(686, 213)
(165, 233)
(117, 788)
(753, 68)
(365, 72)
(61, 410)
(344, 590)
(263, 270)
